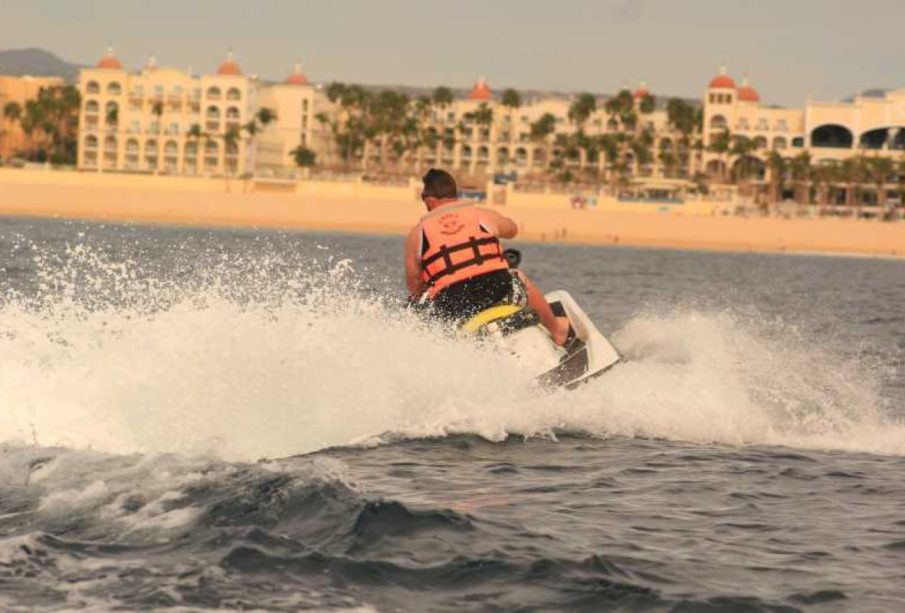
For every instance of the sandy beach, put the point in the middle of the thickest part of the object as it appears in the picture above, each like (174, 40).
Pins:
(366, 208)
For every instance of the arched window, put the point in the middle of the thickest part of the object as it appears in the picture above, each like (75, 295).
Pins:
(874, 139)
(132, 146)
(110, 144)
(538, 157)
(213, 93)
(92, 87)
(798, 141)
(211, 147)
(212, 112)
(232, 114)
(91, 142)
(832, 136)
(483, 153)
(521, 156)
(612, 125)
(92, 107)
(171, 149)
(114, 88)
(151, 148)
(466, 152)
(779, 143)
(718, 122)
(760, 142)
(191, 149)
(233, 93)
(502, 155)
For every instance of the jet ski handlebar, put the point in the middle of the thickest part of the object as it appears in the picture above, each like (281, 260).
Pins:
(513, 256)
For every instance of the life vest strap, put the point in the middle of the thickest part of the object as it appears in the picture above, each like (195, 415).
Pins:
(472, 243)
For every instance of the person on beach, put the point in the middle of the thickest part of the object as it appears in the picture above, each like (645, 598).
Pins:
(454, 259)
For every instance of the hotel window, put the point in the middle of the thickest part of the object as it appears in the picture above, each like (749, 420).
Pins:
(781, 125)
(92, 87)
(135, 105)
(174, 128)
(92, 107)
(135, 127)
(762, 124)
(742, 124)
(213, 93)
(233, 94)
(114, 88)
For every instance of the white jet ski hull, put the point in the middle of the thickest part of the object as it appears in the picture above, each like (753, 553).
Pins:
(587, 355)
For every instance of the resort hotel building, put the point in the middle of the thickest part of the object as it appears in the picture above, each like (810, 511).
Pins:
(826, 130)
(171, 121)
(17, 91)
(164, 120)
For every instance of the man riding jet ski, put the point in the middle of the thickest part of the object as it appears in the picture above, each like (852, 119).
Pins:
(453, 257)
(455, 264)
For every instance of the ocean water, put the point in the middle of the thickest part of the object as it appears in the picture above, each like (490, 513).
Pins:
(201, 419)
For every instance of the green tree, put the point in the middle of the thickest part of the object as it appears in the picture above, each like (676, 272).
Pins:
(303, 157)
(880, 170)
(442, 96)
(511, 99)
(801, 171)
(776, 165)
(720, 144)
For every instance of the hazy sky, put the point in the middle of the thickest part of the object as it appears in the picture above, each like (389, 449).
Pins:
(789, 48)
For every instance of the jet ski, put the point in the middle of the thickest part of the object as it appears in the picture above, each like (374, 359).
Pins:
(517, 330)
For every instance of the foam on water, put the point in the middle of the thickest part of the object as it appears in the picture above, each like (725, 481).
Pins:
(248, 359)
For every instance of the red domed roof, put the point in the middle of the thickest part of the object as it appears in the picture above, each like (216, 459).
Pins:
(109, 61)
(746, 93)
(641, 92)
(480, 91)
(722, 80)
(297, 78)
(229, 66)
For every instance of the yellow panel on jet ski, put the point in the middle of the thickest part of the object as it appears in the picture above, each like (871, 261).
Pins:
(488, 315)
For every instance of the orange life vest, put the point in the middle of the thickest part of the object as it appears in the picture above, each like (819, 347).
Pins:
(456, 247)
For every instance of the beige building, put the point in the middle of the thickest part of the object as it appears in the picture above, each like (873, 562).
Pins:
(827, 131)
(18, 90)
(165, 120)
(295, 102)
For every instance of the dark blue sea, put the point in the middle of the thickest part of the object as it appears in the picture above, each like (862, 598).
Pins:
(196, 419)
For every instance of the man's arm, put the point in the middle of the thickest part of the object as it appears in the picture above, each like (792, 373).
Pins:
(501, 225)
(413, 280)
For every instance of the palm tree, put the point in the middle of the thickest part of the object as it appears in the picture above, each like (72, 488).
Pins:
(541, 131)
(801, 171)
(720, 145)
(776, 165)
(900, 170)
(852, 174)
(442, 96)
(303, 157)
(231, 139)
(880, 170)
(157, 110)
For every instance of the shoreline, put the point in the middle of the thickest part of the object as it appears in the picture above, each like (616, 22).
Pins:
(368, 209)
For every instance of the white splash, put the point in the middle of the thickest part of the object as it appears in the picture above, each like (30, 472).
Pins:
(250, 363)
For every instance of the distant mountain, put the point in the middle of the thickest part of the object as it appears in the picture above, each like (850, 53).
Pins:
(876, 92)
(36, 62)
